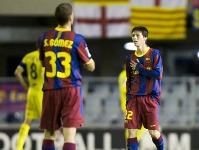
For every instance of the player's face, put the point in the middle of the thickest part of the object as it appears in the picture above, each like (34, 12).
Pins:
(138, 38)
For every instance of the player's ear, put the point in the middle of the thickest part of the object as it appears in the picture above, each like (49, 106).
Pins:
(145, 39)
(72, 17)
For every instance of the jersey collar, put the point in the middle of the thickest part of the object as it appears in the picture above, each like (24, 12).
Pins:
(62, 29)
(140, 55)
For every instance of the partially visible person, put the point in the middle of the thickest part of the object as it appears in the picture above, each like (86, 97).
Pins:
(61, 52)
(144, 74)
(193, 66)
(32, 65)
(122, 87)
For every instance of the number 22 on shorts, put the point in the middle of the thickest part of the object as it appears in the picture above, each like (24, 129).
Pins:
(129, 115)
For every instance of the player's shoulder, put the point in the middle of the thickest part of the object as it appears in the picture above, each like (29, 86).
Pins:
(34, 53)
(122, 73)
(155, 51)
(79, 36)
(47, 33)
(130, 55)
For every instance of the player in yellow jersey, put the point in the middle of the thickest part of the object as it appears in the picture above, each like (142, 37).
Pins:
(122, 88)
(35, 73)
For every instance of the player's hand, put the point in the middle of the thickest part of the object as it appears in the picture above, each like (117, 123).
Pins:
(134, 63)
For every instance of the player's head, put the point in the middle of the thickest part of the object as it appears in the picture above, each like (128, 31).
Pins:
(141, 29)
(139, 33)
(64, 14)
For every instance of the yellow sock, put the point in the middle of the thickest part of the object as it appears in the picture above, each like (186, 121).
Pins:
(126, 133)
(23, 133)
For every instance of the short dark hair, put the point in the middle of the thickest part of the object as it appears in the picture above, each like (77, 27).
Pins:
(63, 12)
(141, 29)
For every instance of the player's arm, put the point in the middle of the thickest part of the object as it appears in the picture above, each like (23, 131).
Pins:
(155, 71)
(90, 66)
(84, 54)
(18, 73)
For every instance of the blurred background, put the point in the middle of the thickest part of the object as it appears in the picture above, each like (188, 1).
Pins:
(173, 29)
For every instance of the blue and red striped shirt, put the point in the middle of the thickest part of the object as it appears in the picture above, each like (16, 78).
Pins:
(62, 51)
(147, 76)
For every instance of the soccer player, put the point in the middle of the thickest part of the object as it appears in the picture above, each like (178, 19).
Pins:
(61, 52)
(35, 73)
(144, 74)
(122, 89)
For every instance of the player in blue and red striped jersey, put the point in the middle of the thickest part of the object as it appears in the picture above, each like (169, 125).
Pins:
(61, 52)
(144, 74)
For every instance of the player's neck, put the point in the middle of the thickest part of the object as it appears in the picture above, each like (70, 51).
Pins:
(67, 26)
(141, 49)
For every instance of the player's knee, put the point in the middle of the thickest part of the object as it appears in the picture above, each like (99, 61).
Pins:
(28, 121)
(49, 134)
(132, 133)
(154, 134)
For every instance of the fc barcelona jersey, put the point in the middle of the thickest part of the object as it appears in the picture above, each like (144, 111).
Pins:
(62, 51)
(147, 76)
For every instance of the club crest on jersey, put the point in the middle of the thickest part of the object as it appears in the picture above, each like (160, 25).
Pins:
(147, 60)
(148, 68)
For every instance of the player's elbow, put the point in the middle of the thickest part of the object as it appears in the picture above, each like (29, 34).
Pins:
(160, 76)
(157, 73)
(157, 76)
(16, 73)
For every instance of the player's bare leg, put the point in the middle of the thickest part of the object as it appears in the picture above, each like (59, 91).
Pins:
(69, 138)
(132, 142)
(157, 139)
(49, 139)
